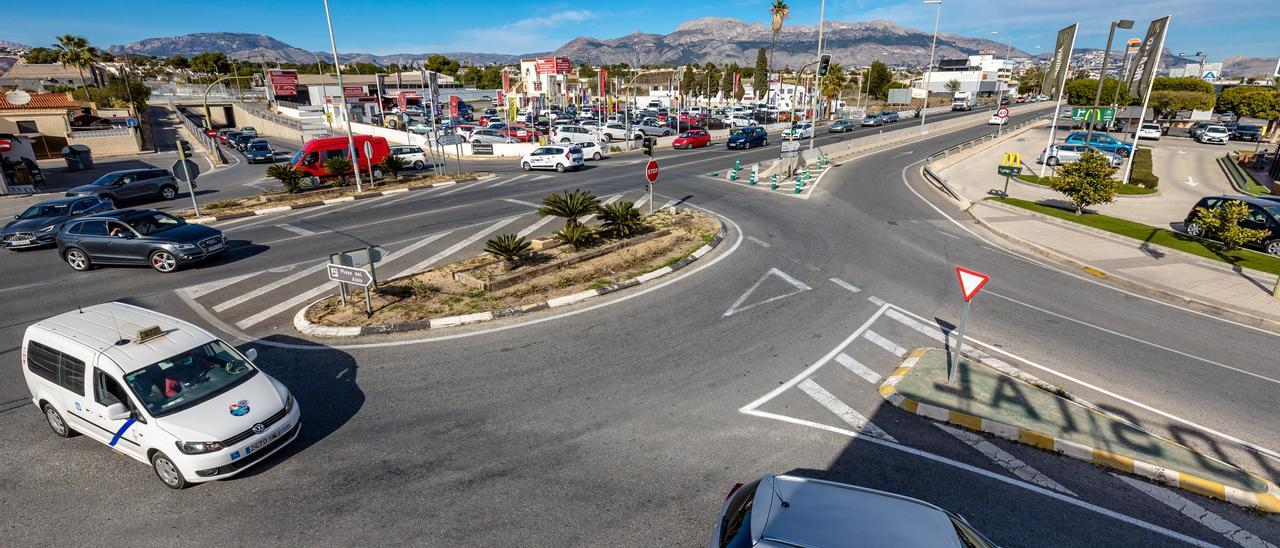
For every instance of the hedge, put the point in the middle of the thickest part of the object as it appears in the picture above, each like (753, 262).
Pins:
(1142, 175)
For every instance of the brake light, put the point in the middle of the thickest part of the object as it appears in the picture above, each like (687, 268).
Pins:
(733, 490)
(566, 155)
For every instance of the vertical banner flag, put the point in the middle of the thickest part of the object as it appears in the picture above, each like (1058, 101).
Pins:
(603, 78)
(1143, 68)
(1058, 66)
(737, 79)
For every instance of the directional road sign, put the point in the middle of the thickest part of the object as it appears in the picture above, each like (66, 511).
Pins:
(350, 275)
(192, 170)
(970, 282)
(651, 171)
(451, 139)
(790, 149)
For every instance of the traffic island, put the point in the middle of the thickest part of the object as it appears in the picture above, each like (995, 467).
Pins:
(986, 400)
(482, 288)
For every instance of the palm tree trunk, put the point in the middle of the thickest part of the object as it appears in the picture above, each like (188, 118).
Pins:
(80, 69)
(770, 71)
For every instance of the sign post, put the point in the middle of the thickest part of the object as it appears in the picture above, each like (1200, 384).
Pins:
(368, 156)
(970, 283)
(651, 175)
(1003, 114)
(1010, 166)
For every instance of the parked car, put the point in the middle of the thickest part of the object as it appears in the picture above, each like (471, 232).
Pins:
(650, 127)
(794, 511)
(522, 134)
(748, 137)
(1197, 127)
(130, 184)
(1149, 131)
(156, 389)
(1227, 116)
(559, 157)
(801, 130)
(1247, 133)
(39, 224)
(1264, 214)
(872, 120)
(259, 150)
(692, 139)
(572, 134)
(889, 116)
(613, 131)
(1101, 141)
(739, 120)
(591, 150)
(489, 135)
(137, 237)
(1068, 153)
(842, 125)
(1218, 135)
(413, 156)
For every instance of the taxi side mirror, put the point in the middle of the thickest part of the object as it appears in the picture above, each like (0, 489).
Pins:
(118, 412)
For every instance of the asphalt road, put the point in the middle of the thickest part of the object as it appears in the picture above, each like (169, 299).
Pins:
(622, 422)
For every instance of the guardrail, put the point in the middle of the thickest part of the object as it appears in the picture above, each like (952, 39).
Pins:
(941, 183)
(210, 144)
(269, 116)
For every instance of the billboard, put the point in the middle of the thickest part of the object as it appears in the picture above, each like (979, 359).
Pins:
(1143, 69)
(1060, 64)
(353, 91)
(284, 82)
(553, 65)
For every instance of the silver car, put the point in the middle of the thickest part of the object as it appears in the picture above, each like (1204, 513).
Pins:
(488, 135)
(872, 120)
(1068, 153)
(130, 184)
(795, 511)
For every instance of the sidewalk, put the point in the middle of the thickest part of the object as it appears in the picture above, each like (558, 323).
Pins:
(986, 400)
(1203, 284)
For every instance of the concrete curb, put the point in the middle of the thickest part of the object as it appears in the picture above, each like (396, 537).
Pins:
(1265, 501)
(1125, 281)
(305, 326)
(206, 219)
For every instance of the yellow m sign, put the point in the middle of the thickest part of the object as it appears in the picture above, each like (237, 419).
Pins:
(1011, 159)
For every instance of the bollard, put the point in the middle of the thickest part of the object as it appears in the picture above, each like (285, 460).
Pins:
(774, 183)
(737, 164)
(752, 181)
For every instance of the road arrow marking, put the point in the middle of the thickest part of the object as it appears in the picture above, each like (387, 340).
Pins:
(901, 154)
(757, 241)
(737, 305)
(1190, 181)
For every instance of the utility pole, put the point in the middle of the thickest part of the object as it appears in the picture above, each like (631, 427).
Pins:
(351, 141)
(817, 80)
(937, 17)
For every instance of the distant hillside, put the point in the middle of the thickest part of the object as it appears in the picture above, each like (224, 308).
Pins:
(255, 47)
(5, 44)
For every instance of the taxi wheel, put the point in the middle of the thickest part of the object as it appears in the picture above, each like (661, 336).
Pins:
(167, 471)
(526, 166)
(560, 168)
(56, 423)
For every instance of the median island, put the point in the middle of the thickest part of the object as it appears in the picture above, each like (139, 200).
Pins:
(600, 248)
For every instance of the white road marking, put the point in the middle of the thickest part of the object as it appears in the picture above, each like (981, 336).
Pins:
(644, 199)
(876, 300)
(505, 181)
(856, 367)
(456, 247)
(535, 226)
(1191, 181)
(263, 290)
(1198, 513)
(737, 305)
(948, 234)
(1004, 459)
(901, 154)
(757, 241)
(670, 203)
(611, 199)
(847, 414)
(452, 190)
(296, 230)
(540, 177)
(852, 288)
(884, 343)
(522, 202)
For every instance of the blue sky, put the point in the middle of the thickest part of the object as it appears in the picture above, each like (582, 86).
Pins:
(1219, 27)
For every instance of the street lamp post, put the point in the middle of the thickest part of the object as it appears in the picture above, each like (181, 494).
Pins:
(817, 80)
(1102, 73)
(928, 71)
(351, 141)
(206, 97)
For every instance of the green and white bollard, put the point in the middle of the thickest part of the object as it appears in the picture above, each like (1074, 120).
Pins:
(752, 182)
(737, 164)
(774, 183)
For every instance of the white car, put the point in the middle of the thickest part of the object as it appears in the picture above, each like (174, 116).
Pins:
(997, 120)
(1149, 131)
(649, 127)
(803, 130)
(571, 134)
(156, 389)
(613, 130)
(740, 121)
(1214, 134)
(561, 158)
(591, 150)
(412, 156)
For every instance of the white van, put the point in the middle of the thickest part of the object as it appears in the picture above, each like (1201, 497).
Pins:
(157, 389)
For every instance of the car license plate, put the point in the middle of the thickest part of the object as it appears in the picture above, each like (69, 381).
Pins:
(266, 440)
(217, 246)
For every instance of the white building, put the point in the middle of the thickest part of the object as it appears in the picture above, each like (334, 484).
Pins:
(982, 75)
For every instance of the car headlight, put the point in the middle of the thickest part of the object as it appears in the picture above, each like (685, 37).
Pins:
(46, 229)
(288, 404)
(186, 246)
(198, 447)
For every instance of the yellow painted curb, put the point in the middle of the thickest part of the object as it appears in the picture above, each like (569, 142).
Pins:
(1265, 501)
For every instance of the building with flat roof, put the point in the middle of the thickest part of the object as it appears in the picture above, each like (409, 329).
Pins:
(41, 78)
(982, 75)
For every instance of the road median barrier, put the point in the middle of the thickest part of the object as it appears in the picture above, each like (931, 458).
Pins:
(988, 400)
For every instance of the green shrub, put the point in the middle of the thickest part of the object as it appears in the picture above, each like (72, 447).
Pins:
(578, 236)
(508, 247)
(621, 219)
(1142, 175)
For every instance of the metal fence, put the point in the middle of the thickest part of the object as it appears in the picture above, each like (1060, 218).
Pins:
(210, 144)
(941, 183)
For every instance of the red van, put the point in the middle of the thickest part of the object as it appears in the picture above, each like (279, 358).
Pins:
(314, 153)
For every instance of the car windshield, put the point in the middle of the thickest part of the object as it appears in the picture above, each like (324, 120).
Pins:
(259, 146)
(1248, 128)
(44, 210)
(1274, 210)
(687, 134)
(171, 385)
(153, 222)
(106, 179)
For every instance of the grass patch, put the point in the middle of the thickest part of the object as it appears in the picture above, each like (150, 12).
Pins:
(1124, 190)
(1250, 185)
(1159, 236)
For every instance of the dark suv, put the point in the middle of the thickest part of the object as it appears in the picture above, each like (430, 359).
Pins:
(137, 237)
(748, 137)
(1264, 214)
(130, 184)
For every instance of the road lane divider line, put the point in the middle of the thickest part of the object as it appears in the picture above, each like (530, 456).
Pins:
(856, 367)
(1004, 459)
(852, 288)
(295, 229)
(847, 414)
(884, 343)
(263, 290)
(611, 199)
(535, 226)
(522, 202)
(200, 290)
(456, 247)
(1200, 514)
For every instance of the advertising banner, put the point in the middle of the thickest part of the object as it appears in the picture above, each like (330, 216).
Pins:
(553, 65)
(353, 91)
(284, 82)
(603, 80)
(1143, 68)
(453, 106)
(1061, 61)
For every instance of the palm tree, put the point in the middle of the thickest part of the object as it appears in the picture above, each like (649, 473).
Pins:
(287, 176)
(75, 51)
(780, 11)
(508, 247)
(392, 164)
(338, 166)
(620, 219)
(569, 206)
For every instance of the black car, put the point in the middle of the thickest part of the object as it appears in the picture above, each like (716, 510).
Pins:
(259, 150)
(137, 237)
(1247, 133)
(1264, 214)
(229, 138)
(40, 223)
(242, 141)
(748, 137)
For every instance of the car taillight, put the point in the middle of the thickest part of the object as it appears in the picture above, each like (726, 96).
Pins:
(566, 156)
(733, 490)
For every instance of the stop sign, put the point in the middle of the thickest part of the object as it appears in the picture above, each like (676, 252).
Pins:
(651, 171)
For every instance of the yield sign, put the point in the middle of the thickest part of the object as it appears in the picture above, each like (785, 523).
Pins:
(970, 282)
